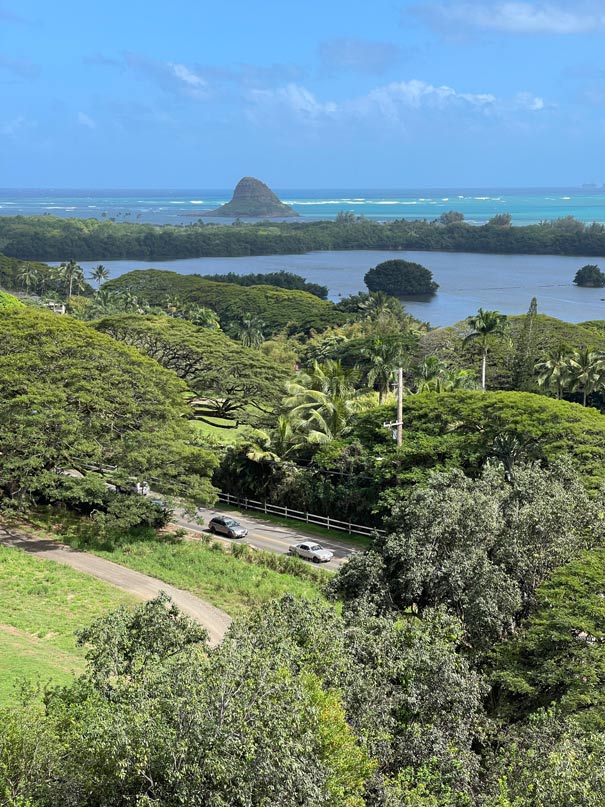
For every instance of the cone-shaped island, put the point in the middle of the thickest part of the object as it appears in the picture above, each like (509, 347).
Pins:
(253, 199)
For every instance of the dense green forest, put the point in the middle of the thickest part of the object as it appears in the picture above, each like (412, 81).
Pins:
(457, 661)
(49, 238)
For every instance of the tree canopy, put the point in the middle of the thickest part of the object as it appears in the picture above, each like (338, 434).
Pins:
(71, 397)
(400, 279)
(298, 311)
(228, 380)
(590, 276)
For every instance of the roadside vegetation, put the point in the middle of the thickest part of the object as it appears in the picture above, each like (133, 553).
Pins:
(234, 578)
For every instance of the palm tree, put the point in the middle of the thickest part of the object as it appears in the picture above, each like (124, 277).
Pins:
(99, 275)
(431, 375)
(554, 370)
(587, 371)
(460, 379)
(105, 302)
(203, 317)
(28, 275)
(486, 328)
(250, 331)
(322, 403)
(72, 275)
(384, 355)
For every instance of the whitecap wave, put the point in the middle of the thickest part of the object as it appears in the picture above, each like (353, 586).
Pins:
(194, 202)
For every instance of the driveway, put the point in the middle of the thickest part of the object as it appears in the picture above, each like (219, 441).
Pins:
(139, 585)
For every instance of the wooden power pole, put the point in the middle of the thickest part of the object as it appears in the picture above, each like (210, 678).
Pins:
(397, 427)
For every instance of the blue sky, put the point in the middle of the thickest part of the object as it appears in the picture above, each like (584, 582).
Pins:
(325, 94)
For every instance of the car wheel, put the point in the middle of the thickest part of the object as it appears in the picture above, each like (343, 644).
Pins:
(316, 560)
(212, 529)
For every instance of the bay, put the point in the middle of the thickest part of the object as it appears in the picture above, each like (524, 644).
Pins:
(165, 206)
(467, 281)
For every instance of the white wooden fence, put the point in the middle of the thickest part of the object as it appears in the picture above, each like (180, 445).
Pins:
(287, 512)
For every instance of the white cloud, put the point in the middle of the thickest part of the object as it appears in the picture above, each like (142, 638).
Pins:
(296, 99)
(86, 120)
(171, 77)
(187, 76)
(394, 102)
(392, 98)
(517, 17)
(15, 127)
(525, 100)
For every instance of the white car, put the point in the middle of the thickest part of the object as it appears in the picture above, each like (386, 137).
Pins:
(311, 551)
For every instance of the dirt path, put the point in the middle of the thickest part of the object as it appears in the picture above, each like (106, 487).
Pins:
(140, 585)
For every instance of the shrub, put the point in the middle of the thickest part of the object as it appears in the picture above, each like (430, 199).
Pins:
(400, 278)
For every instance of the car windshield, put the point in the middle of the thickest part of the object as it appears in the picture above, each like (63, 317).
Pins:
(231, 523)
(316, 548)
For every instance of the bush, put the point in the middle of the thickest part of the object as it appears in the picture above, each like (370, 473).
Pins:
(400, 278)
(590, 276)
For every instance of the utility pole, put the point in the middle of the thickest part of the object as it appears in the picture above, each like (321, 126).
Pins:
(399, 407)
(397, 427)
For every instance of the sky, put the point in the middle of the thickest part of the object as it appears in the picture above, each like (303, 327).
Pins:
(321, 94)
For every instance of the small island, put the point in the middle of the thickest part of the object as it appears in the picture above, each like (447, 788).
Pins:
(253, 199)
(590, 276)
(401, 279)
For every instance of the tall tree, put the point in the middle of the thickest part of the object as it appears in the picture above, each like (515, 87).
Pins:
(525, 356)
(28, 275)
(587, 372)
(72, 274)
(554, 370)
(486, 328)
(322, 402)
(99, 275)
(250, 331)
(384, 355)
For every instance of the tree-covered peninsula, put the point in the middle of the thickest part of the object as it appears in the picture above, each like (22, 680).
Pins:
(48, 238)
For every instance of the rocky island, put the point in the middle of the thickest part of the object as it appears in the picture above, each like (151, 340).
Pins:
(253, 199)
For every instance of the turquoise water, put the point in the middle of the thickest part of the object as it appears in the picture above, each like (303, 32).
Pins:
(184, 206)
(467, 281)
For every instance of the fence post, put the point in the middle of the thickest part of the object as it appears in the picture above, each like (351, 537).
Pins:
(265, 505)
(328, 521)
(286, 511)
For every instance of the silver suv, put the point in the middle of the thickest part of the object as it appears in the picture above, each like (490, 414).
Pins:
(225, 525)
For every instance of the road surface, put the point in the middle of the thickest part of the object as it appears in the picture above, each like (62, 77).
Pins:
(264, 534)
(139, 585)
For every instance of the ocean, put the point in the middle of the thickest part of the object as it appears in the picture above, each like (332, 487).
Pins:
(526, 205)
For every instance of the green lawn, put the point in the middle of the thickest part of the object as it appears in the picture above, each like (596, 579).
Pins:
(231, 583)
(226, 437)
(42, 604)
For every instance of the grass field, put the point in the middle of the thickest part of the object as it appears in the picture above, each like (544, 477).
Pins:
(231, 583)
(42, 604)
(213, 573)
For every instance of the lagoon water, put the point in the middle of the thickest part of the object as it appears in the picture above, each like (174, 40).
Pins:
(526, 205)
(467, 281)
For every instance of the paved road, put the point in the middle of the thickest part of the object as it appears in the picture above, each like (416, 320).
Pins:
(140, 585)
(264, 534)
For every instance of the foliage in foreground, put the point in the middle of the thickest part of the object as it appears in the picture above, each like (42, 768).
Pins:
(480, 547)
